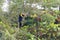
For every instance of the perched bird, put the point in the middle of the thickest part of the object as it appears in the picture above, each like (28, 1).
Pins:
(20, 18)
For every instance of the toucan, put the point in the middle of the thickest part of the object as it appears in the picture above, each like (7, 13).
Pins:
(20, 18)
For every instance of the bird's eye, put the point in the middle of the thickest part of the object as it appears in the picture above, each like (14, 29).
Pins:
(23, 15)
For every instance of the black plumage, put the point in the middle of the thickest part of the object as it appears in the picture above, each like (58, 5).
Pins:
(20, 18)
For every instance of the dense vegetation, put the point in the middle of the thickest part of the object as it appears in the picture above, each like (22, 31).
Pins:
(38, 24)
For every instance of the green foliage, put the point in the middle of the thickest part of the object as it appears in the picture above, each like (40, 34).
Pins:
(9, 21)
